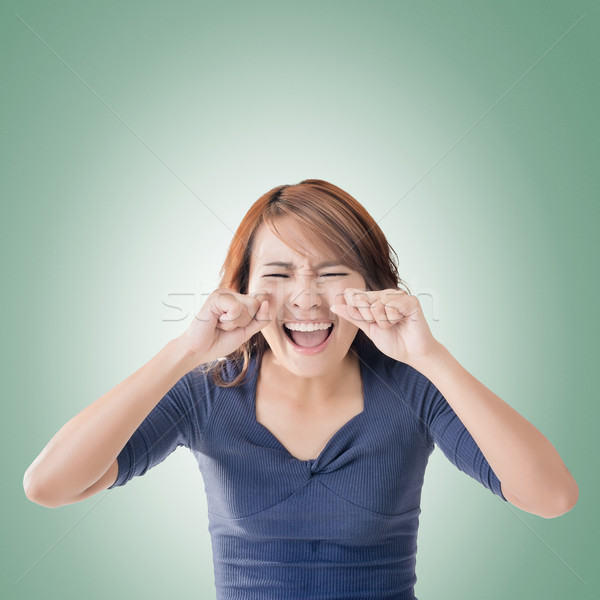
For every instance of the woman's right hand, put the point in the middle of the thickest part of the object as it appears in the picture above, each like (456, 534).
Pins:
(226, 320)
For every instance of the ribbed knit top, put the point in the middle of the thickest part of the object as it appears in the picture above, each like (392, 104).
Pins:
(342, 526)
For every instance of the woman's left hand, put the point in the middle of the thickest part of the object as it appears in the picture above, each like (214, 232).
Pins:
(392, 319)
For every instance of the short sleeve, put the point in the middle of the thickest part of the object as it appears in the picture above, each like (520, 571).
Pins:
(177, 420)
(443, 427)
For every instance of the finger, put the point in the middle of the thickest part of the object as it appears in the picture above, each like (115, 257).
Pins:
(260, 298)
(356, 295)
(378, 310)
(246, 310)
(359, 300)
(260, 295)
(233, 315)
(393, 314)
(237, 336)
(235, 310)
(351, 314)
(217, 303)
(261, 319)
(403, 304)
(246, 330)
(226, 302)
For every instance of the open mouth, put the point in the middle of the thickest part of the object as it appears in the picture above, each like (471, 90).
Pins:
(308, 335)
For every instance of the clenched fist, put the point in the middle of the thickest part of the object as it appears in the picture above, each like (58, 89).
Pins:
(226, 320)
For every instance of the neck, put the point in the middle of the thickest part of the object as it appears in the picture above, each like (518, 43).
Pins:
(307, 391)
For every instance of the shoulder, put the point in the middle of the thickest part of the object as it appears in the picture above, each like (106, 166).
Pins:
(405, 394)
(403, 381)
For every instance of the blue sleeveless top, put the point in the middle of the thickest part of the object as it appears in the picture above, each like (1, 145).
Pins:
(342, 526)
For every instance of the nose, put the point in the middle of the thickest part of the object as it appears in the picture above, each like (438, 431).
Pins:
(305, 294)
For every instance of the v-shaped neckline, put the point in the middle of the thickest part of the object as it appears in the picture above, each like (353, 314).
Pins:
(310, 461)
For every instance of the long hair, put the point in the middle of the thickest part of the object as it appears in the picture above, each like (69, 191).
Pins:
(333, 220)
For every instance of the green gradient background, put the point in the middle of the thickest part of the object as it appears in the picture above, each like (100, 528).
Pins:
(135, 136)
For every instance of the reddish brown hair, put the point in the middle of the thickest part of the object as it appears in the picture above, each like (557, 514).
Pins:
(334, 221)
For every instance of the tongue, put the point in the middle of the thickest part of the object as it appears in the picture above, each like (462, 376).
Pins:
(309, 339)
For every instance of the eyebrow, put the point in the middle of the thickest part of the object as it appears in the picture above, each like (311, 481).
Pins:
(287, 265)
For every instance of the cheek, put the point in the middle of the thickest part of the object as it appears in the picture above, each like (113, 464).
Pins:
(275, 287)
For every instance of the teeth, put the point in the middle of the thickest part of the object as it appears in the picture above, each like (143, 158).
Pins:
(307, 326)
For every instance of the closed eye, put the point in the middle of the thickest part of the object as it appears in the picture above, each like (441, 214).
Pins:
(321, 275)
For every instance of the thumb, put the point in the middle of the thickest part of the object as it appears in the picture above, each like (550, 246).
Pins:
(261, 319)
(262, 315)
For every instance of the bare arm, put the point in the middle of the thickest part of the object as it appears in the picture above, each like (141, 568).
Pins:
(533, 475)
(80, 459)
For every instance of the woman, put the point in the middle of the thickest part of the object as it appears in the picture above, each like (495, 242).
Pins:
(312, 392)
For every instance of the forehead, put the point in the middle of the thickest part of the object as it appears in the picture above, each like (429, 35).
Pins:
(295, 246)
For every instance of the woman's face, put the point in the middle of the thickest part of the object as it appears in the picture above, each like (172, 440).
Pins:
(301, 290)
